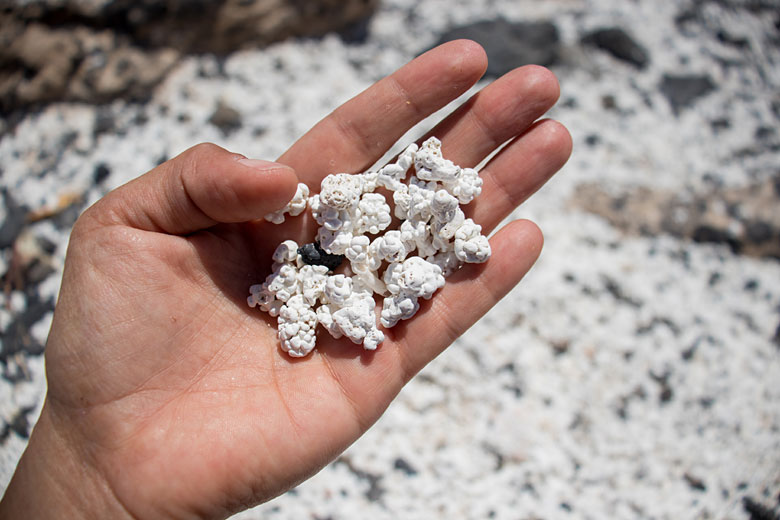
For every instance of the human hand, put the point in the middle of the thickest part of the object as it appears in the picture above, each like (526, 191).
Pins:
(168, 396)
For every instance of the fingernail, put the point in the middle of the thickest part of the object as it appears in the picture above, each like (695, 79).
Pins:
(258, 164)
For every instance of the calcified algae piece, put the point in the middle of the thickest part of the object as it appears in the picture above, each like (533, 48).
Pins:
(402, 265)
(295, 207)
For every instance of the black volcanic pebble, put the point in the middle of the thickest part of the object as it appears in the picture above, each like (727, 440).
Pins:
(510, 44)
(619, 44)
(757, 510)
(312, 254)
(682, 91)
(15, 220)
(102, 171)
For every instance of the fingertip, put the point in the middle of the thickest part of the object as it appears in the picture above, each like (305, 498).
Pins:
(534, 237)
(471, 55)
(466, 59)
(543, 80)
(557, 141)
(283, 176)
(519, 239)
(252, 188)
(229, 187)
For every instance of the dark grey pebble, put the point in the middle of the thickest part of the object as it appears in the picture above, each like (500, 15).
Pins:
(226, 118)
(402, 465)
(14, 222)
(510, 44)
(312, 254)
(619, 44)
(682, 91)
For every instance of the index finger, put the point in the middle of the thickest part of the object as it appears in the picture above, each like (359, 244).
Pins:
(359, 132)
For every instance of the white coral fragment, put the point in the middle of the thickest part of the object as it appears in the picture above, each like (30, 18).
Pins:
(334, 242)
(433, 239)
(341, 191)
(357, 320)
(313, 280)
(415, 276)
(338, 289)
(390, 247)
(297, 326)
(283, 282)
(470, 245)
(407, 282)
(286, 252)
(357, 250)
(374, 214)
(396, 308)
(295, 207)
(467, 186)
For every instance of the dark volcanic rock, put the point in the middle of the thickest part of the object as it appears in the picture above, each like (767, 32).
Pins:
(619, 44)
(706, 233)
(757, 510)
(14, 222)
(510, 44)
(101, 50)
(752, 228)
(313, 254)
(682, 91)
(101, 173)
(402, 465)
(226, 118)
(19, 344)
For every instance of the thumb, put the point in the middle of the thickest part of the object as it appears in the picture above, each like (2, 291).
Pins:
(203, 186)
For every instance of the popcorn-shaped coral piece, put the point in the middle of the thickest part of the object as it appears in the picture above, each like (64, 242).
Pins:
(390, 247)
(295, 207)
(338, 289)
(431, 166)
(470, 245)
(283, 282)
(374, 214)
(297, 326)
(407, 282)
(396, 308)
(286, 252)
(313, 279)
(433, 240)
(357, 320)
(467, 186)
(415, 276)
(357, 250)
(341, 191)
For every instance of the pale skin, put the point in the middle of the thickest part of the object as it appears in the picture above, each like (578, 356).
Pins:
(168, 397)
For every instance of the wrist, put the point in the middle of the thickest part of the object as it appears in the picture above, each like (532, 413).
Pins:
(55, 478)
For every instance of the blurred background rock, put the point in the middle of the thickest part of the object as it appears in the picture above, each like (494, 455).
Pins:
(95, 51)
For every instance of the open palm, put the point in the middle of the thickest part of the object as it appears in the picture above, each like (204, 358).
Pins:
(175, 391)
